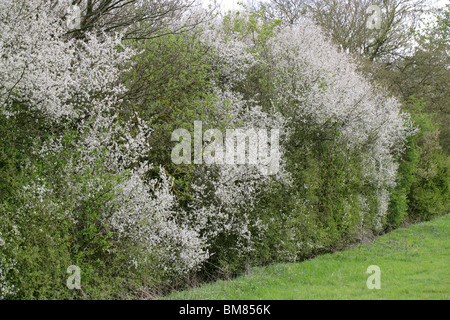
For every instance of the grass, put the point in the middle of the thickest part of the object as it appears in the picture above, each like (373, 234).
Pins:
(414, 263)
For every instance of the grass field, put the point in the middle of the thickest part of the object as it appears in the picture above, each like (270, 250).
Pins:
(414, 264)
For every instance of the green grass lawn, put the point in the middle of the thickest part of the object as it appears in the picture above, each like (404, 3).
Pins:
(414, 263)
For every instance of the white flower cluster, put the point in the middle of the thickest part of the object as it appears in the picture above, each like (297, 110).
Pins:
(323, 86)
(147, 213)
(50, 73)
(232, 51)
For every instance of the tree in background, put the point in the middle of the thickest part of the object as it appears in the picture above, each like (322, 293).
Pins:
(425, 73)
(138, 19)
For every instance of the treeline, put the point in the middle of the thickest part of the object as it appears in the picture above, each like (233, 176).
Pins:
(86, 122)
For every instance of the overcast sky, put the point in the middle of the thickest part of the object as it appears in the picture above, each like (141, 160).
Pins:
(225, 4)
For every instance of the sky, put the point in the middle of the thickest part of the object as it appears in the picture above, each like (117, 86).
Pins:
(442, 3)
(226, 4)
(229, 4)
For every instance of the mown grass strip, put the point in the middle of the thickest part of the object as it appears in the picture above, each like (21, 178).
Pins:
(414, 263)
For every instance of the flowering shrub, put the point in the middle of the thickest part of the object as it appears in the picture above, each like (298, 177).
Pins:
(87, 163)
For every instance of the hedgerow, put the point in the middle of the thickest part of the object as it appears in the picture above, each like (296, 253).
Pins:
(87, 177)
